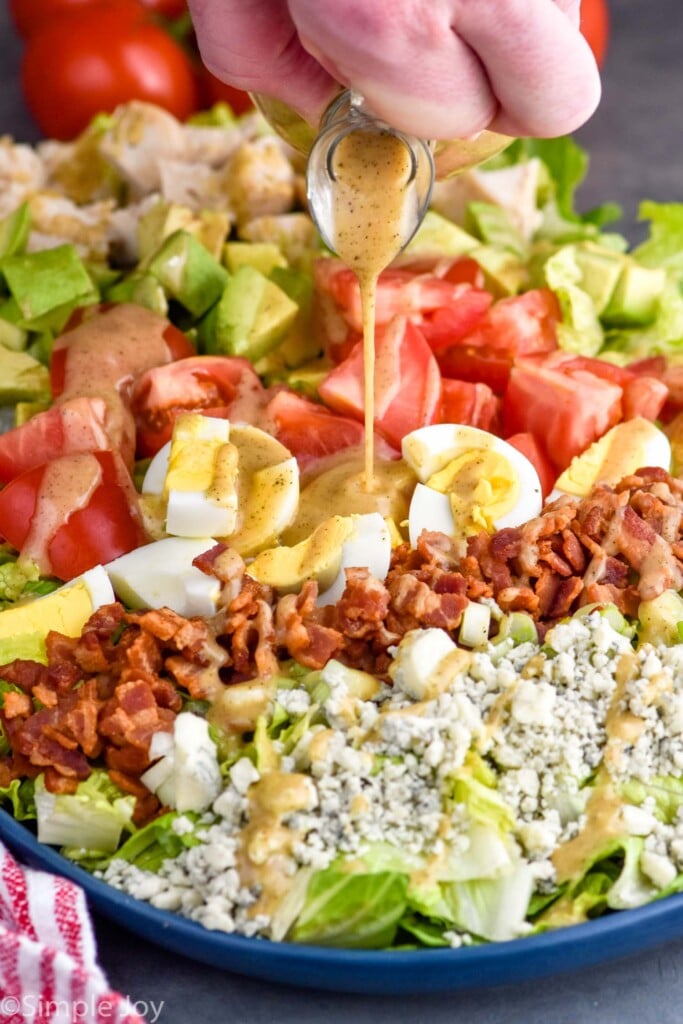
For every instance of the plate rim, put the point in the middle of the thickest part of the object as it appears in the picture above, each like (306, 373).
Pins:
(558, 951)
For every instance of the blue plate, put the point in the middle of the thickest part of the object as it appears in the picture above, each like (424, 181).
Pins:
(343, 970)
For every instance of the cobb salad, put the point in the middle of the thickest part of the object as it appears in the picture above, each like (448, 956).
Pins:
(237, 685)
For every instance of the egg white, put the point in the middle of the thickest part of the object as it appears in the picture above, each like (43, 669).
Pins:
(430, 449)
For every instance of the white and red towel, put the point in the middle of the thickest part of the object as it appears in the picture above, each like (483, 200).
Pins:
(48, 967)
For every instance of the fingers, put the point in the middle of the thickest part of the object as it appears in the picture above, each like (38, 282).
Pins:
(435, 68)
(254, 45)
(405, 60)
(539, 66)
(449, 68)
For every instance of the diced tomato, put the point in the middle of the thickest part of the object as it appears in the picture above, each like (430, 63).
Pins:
(465, 270)
(445, 309)
(407, 382)
(308, 429)
(644, 396)
(528, 445)
(220, 386)
(520, 325)
(449, 325)
(78, 425)
(641, 395)
(565, 412)
(478, 364)
(651, 366)
(466, 402)
(101, 520)
(126, 344)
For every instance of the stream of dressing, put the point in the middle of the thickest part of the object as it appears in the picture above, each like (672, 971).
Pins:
(373, 218)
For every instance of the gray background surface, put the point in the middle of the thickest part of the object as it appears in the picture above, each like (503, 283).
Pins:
(636, 146)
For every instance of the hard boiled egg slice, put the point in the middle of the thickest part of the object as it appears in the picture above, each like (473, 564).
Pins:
(162, 574)
(200, 480)
(267, 490)
(620, 452)
(65, 610)
(337, 544)
(470, 480)
(260, 481)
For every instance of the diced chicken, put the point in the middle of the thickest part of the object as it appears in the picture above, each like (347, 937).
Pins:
(194, 185)
(139, 137)
(214, 146)
(20, 165)
(295, 234)
(259, 180)
(513, 188)
(56, 219)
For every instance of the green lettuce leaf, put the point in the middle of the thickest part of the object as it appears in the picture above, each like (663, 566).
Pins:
(665, 790)
(664, 247)
(150, 846)
(492, 908)
(357, 911)
(580, 330)
(92, 818)
(20, 795)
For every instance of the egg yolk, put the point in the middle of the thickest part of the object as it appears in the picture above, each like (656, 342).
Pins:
(482, 487)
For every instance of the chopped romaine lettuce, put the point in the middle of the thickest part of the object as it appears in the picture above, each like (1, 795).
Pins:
(358, 911)
(91, 819)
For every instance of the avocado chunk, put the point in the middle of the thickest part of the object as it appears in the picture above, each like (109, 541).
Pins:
(300, 344)
(438, 236)
(22, 378)
(264, 256)
(47, 285)
(209, 227)
(11, 334)
(309, 377)
(600, 271)
(142, 289)
(252, 316)
(659, 619)
(14, 231)
(504, 272)
(636, 296)
(188, 273)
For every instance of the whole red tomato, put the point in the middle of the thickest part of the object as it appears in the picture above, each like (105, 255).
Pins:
(595, 26)
(89, 60)
(31, 15)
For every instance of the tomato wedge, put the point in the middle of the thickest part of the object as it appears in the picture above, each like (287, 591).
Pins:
(308, 429)
(479, 364)
(78, 425)
(125, 340)
(472, 403)
(642, 394)
(564, 411)
(101, 517)
(445, 309)
(220, 386)
(407, 382)
(520, 325)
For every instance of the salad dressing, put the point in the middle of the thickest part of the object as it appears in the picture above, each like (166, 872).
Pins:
(372, 221)
(265, 848)
(121, 344)
(67, 486)
(342, 485)
(603, 811)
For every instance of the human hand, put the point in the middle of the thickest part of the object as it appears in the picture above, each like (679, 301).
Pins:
(434, 68)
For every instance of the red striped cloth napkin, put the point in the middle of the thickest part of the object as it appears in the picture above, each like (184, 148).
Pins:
(48, 967)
